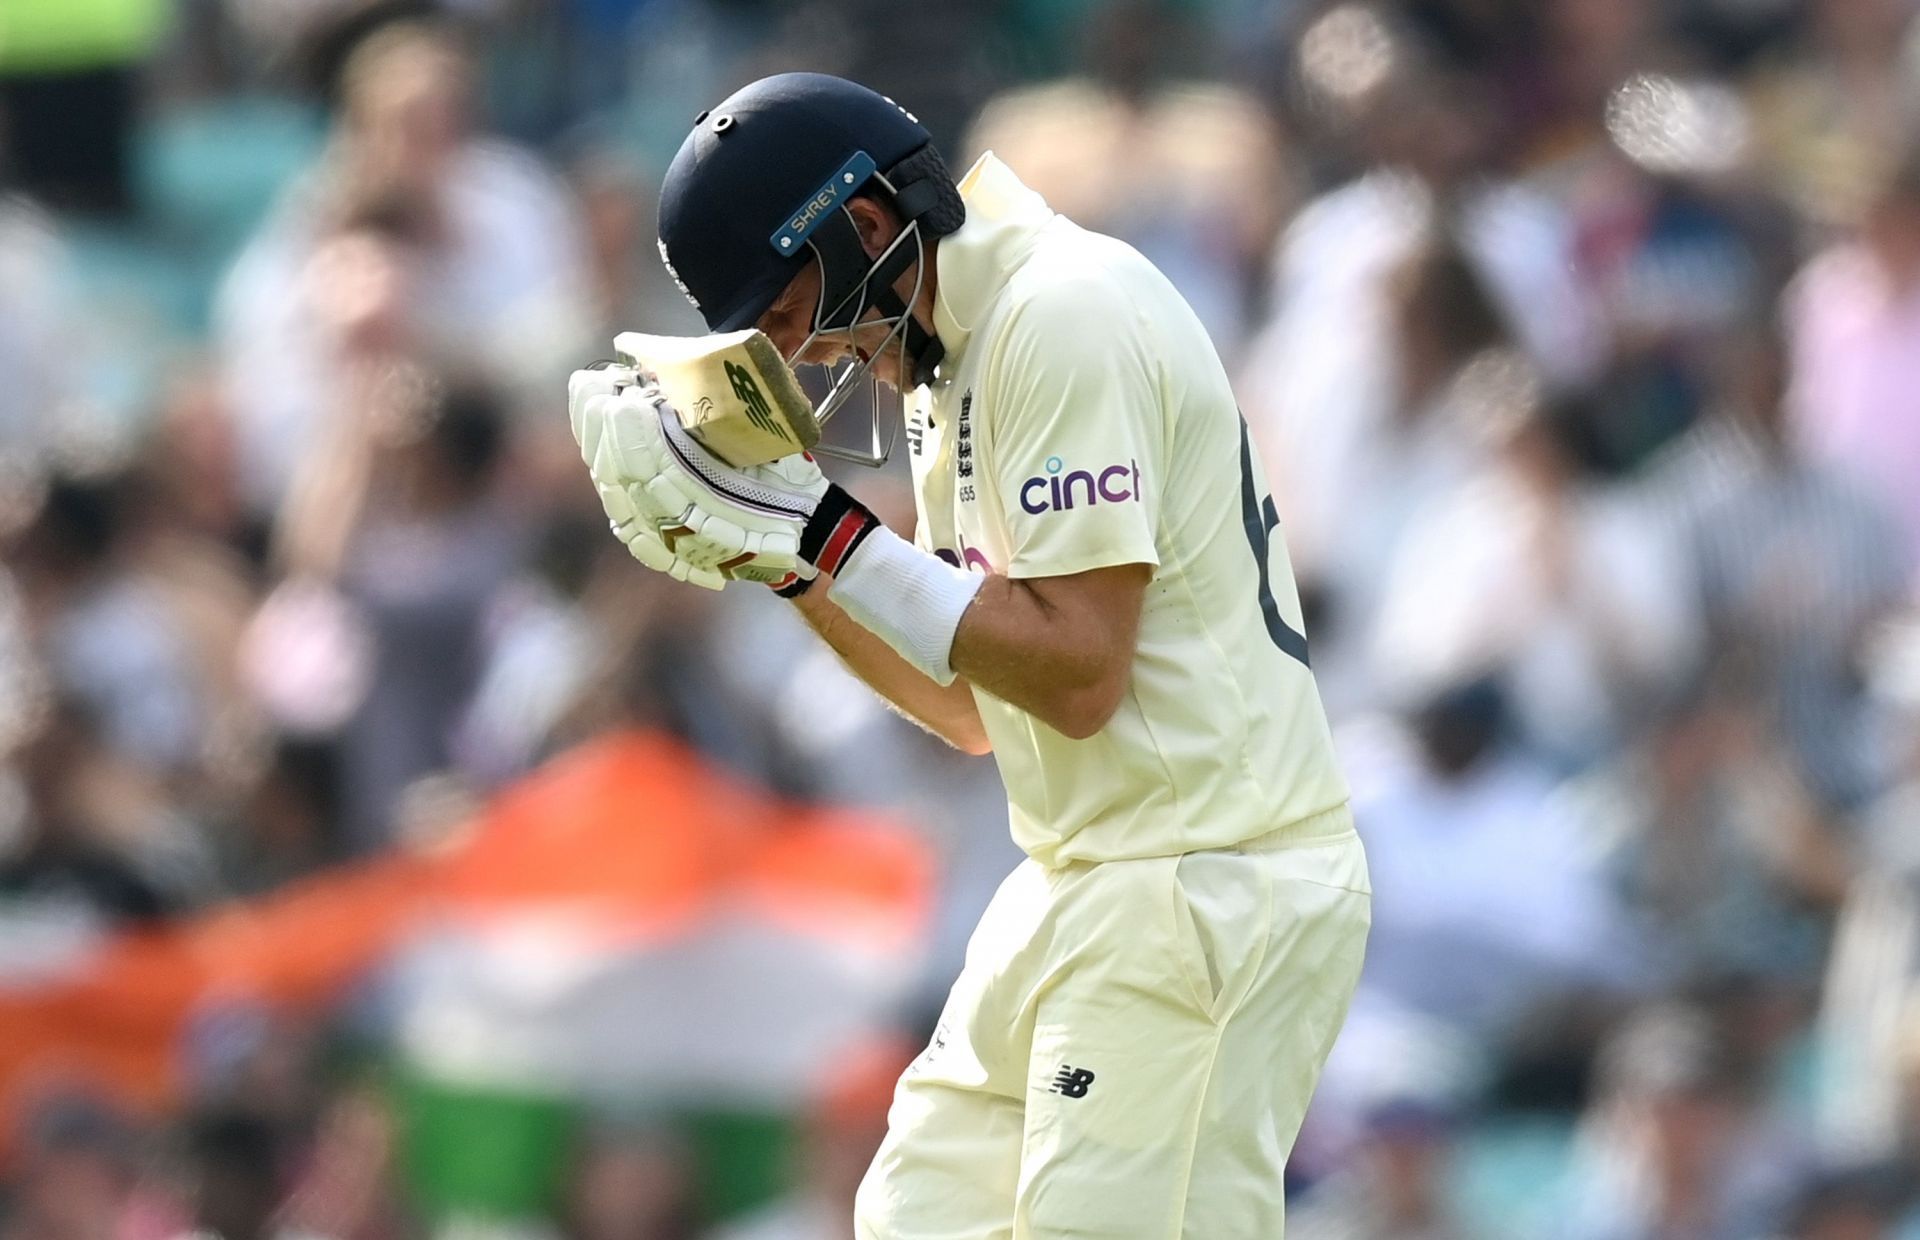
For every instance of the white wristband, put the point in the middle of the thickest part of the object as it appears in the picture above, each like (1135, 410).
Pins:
(908, 599)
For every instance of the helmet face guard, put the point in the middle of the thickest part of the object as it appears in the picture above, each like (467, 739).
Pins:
(851, 287)
(761, 186)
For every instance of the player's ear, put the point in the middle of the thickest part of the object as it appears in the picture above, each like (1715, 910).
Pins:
(875, 224)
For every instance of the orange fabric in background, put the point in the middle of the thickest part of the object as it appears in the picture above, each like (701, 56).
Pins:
(116, 1025)
(633, 828)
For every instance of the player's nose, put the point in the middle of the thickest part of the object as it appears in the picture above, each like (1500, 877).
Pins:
(787, 336)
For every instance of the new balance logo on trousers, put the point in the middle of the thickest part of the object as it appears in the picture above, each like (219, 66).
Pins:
(1071, 1082)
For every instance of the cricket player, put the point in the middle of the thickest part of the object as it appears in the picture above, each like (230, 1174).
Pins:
(1096, 594)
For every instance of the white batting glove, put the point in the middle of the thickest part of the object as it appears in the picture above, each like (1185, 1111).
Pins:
(780, 523)
(746, 522)
(675, 503)
(588, 395)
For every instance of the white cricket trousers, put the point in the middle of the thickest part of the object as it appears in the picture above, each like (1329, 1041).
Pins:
(1129, 1048)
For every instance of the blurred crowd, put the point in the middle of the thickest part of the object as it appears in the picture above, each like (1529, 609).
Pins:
(1581, 339)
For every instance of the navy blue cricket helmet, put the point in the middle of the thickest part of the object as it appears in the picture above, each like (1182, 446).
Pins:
(759, 188)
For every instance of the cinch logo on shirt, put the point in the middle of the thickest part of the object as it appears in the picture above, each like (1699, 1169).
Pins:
(1055, 492)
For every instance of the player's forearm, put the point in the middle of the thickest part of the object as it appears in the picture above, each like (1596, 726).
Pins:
(948, 711)
(1059, 648)
(1058, 652)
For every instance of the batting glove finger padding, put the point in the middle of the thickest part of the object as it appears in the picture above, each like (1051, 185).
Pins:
(582, 390)
(746, 522)
(705, 578)
(591, 396)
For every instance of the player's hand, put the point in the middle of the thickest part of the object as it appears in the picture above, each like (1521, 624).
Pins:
(590, 394)
(743, 523)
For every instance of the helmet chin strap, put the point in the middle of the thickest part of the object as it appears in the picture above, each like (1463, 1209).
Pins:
(851, 286)
(923, 348)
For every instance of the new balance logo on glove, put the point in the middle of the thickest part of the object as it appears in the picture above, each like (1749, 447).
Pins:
(759, 413)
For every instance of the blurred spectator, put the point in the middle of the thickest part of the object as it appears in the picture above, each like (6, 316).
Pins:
(192, 462)
(1892, 669)
(1854, 318)
(542, 641)
(75, 1175)
(1324, 376)
(1728, 864)
(631, 288)
(37, 315)
(234, 1164)
(1854, 1203)
(1537, 573)
(97, 844)
(1869, 1101)
(1587, 48)
(112, 637)
(1833, 106)
(1451, 812)
(1794, 561)
(1671, 239)
(1674, 258)
(401, 541)
(347, 1189)
(630, 1182)
(492, 275)
(1193, 175)
(1455, 377)
(78, 853)
(1675, 1148)
(1397, 1184)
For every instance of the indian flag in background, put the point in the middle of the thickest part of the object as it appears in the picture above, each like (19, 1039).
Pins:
(626, 930)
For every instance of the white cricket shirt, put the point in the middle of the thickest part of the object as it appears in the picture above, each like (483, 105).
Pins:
(1082, 419)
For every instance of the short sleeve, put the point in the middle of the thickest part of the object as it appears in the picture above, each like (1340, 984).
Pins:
(1076, 421)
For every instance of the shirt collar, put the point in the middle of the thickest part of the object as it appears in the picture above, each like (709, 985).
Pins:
(1003, 219)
